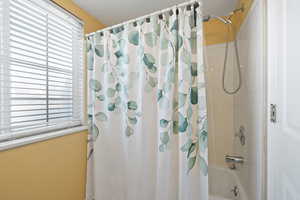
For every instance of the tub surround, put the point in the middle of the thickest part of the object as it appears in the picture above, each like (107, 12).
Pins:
(249, 103)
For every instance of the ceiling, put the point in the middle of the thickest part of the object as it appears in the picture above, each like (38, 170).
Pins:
(111, 12)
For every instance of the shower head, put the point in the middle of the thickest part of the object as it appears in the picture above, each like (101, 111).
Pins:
(208, 17)
(225, 21)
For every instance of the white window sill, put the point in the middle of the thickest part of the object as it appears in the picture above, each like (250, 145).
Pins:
(38, 138)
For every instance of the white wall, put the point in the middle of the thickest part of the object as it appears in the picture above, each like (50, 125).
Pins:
(249, 103)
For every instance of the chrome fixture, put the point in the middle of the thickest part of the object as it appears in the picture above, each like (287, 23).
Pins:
(233, 160)
(230, 27)
(227, 19)
(224, 20)
(241, 135)
(273, 113)
(235, 191)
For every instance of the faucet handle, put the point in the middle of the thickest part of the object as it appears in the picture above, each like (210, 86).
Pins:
(241, 135)
(235, 191)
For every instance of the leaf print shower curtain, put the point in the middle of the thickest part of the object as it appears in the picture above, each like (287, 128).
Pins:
(147, 110)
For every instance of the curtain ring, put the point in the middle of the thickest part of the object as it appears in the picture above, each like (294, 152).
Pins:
(189, 7)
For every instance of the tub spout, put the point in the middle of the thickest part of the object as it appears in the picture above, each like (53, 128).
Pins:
(233, 160)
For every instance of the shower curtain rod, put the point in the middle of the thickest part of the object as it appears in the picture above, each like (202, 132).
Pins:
(146, 16)
(207, 18)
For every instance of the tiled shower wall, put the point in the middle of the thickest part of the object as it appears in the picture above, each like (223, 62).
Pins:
(220, 105)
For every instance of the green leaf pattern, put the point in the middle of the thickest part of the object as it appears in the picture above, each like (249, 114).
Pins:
(158, 61)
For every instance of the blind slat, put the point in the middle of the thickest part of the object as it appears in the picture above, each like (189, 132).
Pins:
(39, 89)
(61, 41)
(53, 21)
(54, 52)
(41, 98)
(28, 10)
(25, 4)
(30, 110)
(15, 27)
(59, 49)
(28, 50)
(27, 23)
(20, 16)
(59, 36)
(42, 114)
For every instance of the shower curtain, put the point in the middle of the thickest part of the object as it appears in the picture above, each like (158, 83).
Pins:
(147, 110)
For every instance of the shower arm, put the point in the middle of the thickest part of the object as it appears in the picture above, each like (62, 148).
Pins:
(225, 20)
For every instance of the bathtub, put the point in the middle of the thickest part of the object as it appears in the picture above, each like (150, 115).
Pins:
(221, 183)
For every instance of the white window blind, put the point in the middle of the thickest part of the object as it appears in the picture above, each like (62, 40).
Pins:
(41, 74)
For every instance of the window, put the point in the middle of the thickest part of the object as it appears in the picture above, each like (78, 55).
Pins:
(41, 68)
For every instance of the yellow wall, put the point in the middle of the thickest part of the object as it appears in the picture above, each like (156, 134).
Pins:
(50, 170)
(215, 32)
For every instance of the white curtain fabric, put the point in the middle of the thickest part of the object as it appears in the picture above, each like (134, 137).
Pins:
(147, 110)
